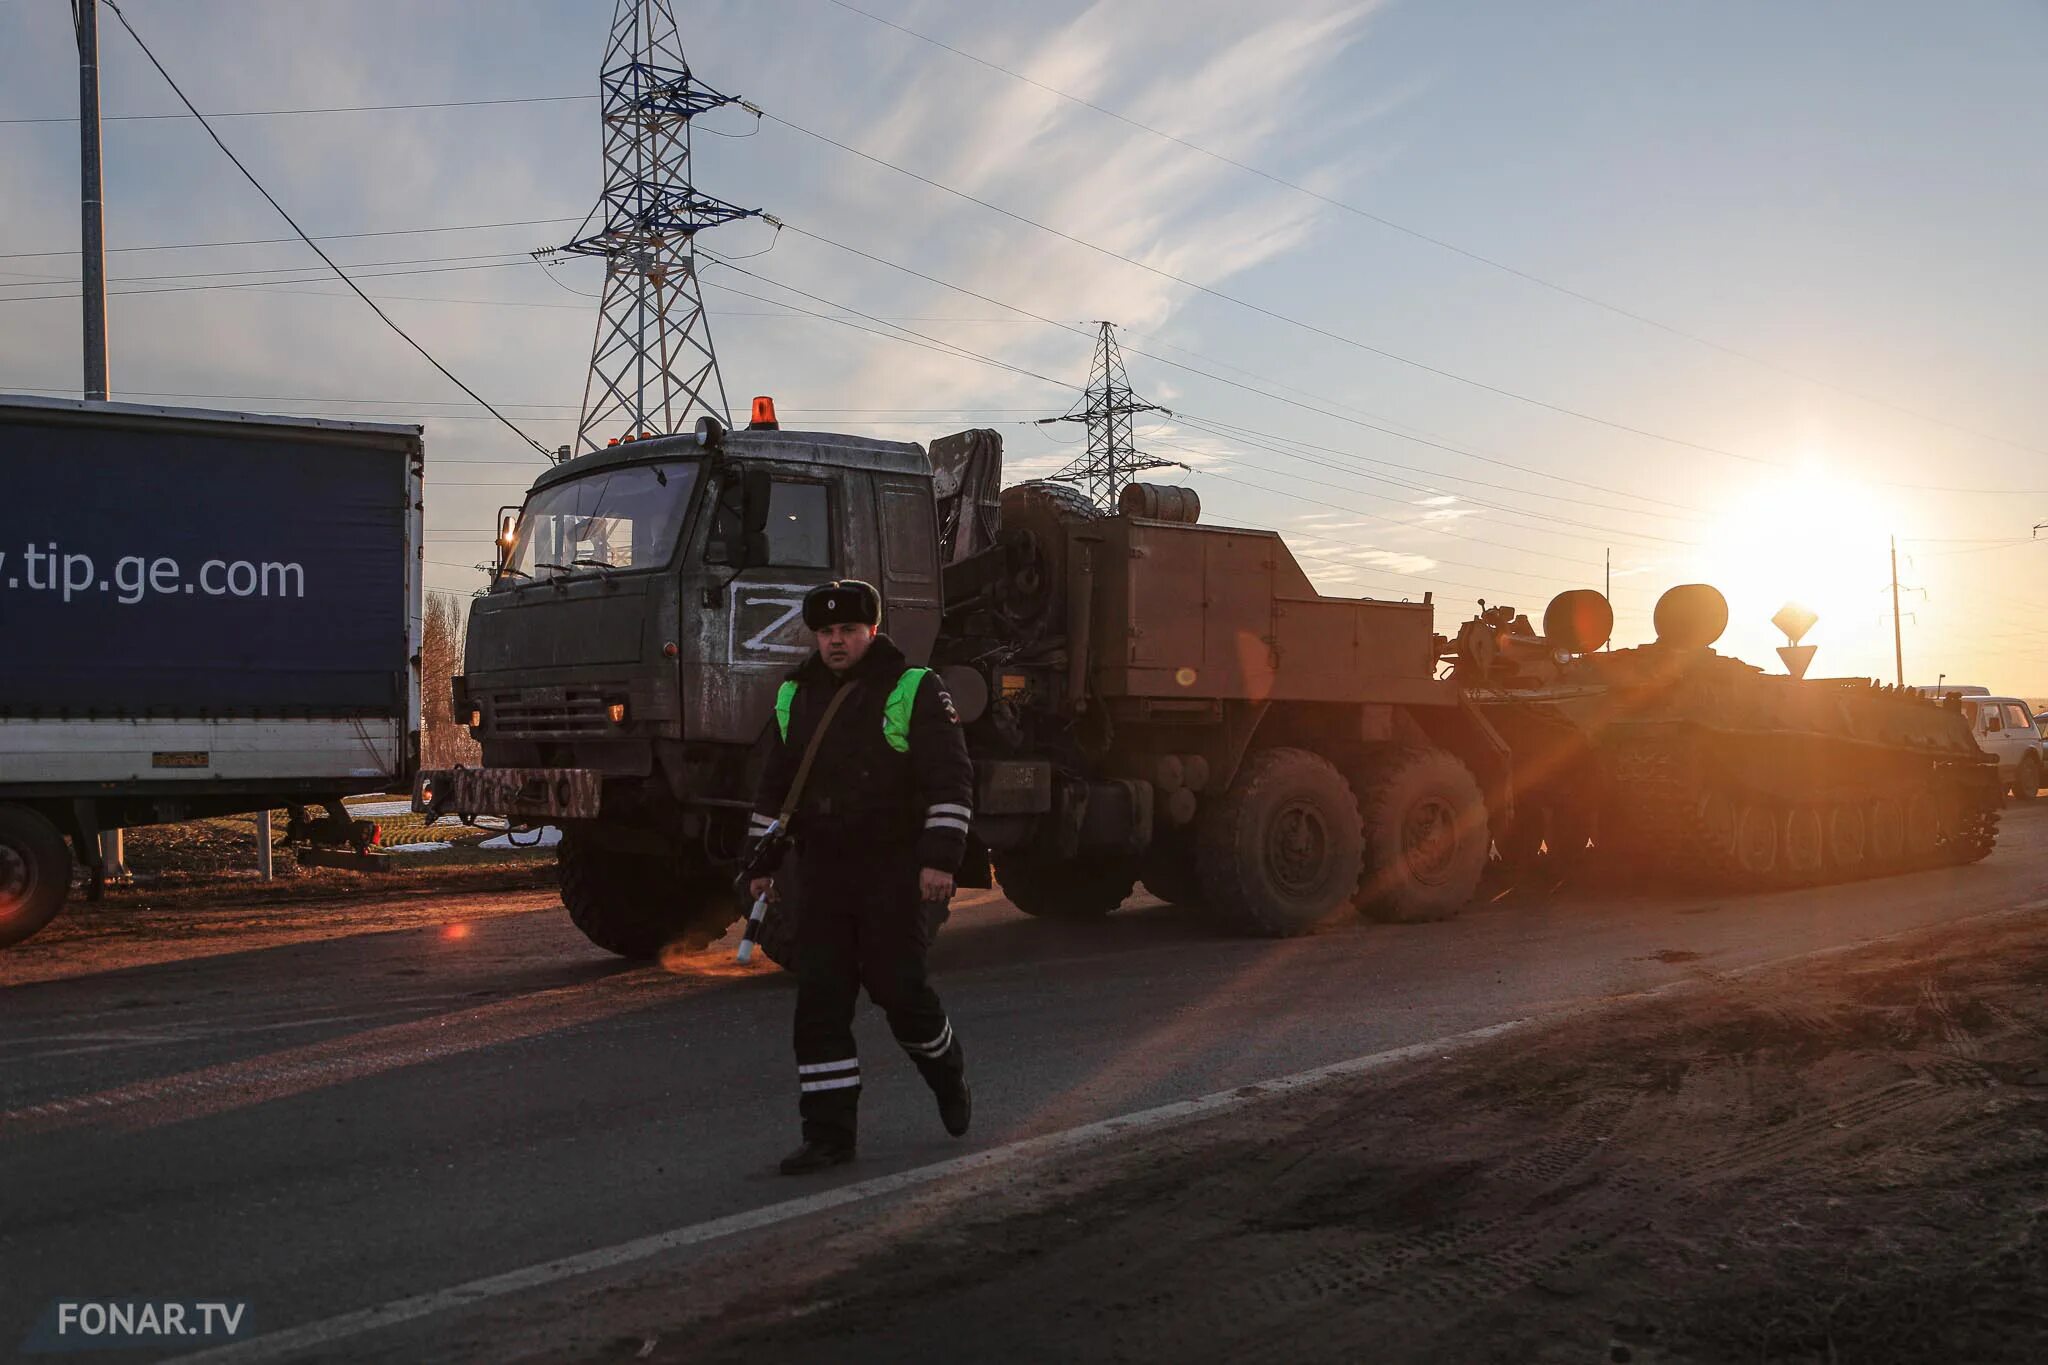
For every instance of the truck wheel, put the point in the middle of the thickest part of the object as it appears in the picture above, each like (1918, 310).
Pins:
(35, 873)
(1080, 888)
(1280, 852)
(2027, 785)
(636, 904)
(1425, 836)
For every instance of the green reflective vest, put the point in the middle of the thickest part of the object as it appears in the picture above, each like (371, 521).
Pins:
(895, 711)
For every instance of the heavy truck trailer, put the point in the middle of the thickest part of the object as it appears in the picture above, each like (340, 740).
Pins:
(201, 613)
(1146, 698)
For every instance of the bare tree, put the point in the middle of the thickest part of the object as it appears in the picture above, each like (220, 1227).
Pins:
(444, 736)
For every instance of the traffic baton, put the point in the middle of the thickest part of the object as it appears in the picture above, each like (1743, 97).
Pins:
(753, 934)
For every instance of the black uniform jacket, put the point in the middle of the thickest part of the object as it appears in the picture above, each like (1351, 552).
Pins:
(864, 796)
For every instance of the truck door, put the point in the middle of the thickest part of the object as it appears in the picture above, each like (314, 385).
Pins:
(742, 645)
(910, 564)
(1993, 739)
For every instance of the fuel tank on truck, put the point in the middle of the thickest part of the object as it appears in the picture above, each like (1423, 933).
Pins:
(1689, 766)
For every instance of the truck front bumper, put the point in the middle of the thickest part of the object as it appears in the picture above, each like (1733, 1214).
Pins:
(516, 793)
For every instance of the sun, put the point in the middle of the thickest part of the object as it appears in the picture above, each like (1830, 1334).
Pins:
(1811, 535)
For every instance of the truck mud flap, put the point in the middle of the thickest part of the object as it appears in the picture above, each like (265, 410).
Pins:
(518, 793)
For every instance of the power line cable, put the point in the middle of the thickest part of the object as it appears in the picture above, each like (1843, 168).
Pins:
(504, 256)
(322, 237)
(325, 109)
(1248, 388)
(1440, 242)
(313, 245)
(1327, 333)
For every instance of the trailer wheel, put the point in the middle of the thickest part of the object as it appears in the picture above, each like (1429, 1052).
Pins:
(35, 873)
(637, 904)
(1077, 888)
(1280, 853)
(1425, 836)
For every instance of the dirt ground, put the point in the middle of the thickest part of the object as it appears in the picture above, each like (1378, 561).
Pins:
(1845, 1160)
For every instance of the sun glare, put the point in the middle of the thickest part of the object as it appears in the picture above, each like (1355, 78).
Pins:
(1812, 536)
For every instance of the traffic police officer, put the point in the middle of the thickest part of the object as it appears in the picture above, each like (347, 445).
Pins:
(880, 830)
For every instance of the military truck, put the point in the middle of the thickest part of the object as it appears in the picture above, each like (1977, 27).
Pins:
(1147, 698)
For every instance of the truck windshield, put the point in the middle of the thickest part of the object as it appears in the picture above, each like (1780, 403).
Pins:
(623, 518)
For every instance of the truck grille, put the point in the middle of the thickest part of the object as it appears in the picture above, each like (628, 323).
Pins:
(572, 714)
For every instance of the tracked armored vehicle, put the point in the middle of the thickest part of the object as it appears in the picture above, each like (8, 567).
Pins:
(1691, 767)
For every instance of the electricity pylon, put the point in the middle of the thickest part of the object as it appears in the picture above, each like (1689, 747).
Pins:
(1106, 410)
(651, 365)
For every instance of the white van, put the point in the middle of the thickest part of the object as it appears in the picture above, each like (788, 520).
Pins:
(2005, 728)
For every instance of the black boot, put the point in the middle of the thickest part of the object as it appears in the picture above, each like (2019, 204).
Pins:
(956, 1108)
(816, 1155)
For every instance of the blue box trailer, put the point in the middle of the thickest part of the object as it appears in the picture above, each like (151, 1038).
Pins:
(200, 613)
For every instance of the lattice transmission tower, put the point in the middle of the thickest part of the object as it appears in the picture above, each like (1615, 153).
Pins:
(1106, 409)
(652, 365)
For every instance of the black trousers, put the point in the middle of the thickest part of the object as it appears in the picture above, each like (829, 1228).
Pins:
(861, 923)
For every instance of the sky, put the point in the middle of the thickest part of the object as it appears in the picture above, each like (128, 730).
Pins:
(1495, 295)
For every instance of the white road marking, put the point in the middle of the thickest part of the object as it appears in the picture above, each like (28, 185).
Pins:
(327, 1331)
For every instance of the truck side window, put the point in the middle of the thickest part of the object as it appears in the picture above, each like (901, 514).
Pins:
(799, 526)
(908, 535)
(2016, 716)
(1992, 724)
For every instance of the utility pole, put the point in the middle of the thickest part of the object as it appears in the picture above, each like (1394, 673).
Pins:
(92, 292)
(651, 365)
(1106, 410)
(1898, 647)
(92, 243)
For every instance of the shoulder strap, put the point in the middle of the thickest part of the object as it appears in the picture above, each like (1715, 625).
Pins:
(803, 769)
(896, 711)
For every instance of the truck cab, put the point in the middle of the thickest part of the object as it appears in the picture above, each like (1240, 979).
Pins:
(621, 670)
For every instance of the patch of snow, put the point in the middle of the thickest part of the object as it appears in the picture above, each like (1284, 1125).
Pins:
(430, 846)
(548, 837)
(374, 810)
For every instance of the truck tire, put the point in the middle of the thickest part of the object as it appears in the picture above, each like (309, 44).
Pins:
(1279, 854)
(637, 904)
(35, 873)
(1078, 888)
(1425, 836)
(2027, 785)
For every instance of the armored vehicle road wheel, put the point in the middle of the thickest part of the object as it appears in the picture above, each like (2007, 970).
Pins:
(1076, 888)
(1425, 835)
(35, 873)
(1756, 841)
(1887, 841)
(1803, 848)
(1923, 824)
(2027, 785)
(1280, 852)
(637, 904)
(1848, 838)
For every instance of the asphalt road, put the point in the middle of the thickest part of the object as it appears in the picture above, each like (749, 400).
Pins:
(323, 1126)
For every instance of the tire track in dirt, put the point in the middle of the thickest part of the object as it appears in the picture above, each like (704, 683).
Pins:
(1563, 1211)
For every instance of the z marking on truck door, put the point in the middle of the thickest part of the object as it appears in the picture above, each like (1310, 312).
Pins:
(767, 621)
